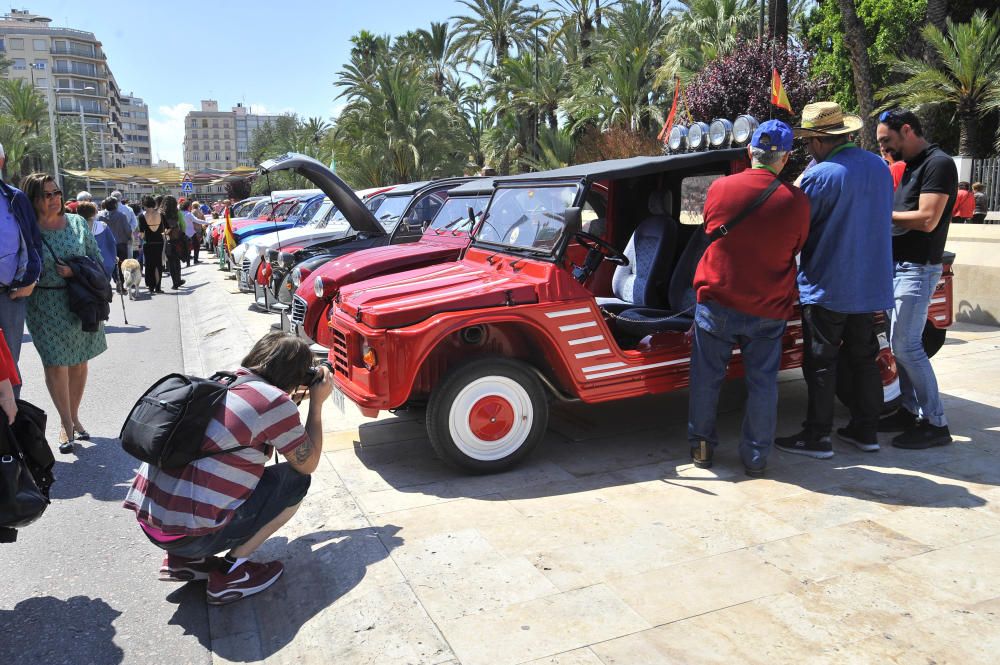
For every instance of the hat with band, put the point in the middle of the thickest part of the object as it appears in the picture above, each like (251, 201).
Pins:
(827, 119)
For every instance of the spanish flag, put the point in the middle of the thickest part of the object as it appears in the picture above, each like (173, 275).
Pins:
(230, 239)
(778, 96)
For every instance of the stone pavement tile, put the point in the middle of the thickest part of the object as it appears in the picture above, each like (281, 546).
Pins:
(443, 518)
(971, 569)
(397, 465)
(647, 547)
(455, 485)
(574, 657)
(531, 535)
(639, 649)
(894, 487)
(978, 468)
(819, 510)
(539, 628)
(825, 553)
(443, 552)
(741, 527)
(672, 498)
(966, 635)
(700, 586)
(489, 586)
(614, 451)
(941, 527)
(534, 500)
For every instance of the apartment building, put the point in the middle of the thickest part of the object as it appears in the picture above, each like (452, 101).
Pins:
(71, 63)
(217, 140)
(135, 127)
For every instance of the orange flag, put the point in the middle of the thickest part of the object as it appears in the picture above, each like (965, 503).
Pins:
(230, 239)
(668, 125)
(778, 96)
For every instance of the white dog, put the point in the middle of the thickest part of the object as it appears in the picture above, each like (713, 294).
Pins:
(132, 277)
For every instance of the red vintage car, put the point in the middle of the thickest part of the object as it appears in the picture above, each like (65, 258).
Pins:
(533, 311)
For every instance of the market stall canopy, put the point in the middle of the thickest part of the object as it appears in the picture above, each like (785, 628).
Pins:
(145, 175)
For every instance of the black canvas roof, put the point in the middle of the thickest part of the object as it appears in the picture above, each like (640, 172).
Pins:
(634, 166)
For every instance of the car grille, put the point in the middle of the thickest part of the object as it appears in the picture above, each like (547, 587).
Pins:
(298, 315)
(246, 266)
(338, 352)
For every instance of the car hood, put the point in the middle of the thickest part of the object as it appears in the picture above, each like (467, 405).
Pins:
(358, 266)
(402, 299)
(338, 191)
(290, 237)
(258, 228)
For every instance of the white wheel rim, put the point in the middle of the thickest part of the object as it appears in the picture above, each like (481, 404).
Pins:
(461, 430)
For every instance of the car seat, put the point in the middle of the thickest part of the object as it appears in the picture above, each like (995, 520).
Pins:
(641, 321)
(644, 281)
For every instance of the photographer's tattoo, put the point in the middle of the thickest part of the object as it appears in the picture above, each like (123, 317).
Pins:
(303, 452)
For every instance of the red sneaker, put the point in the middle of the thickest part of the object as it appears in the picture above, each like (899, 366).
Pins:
(250, 578)
(181, 569)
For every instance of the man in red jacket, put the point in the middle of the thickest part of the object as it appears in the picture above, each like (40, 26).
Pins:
(745, 288)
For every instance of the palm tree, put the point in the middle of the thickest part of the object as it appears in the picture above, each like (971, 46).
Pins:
(579, 18)
(494, 26)
(316, 129)
(436, 45)
(965, 81)
(704, 30)
(23, 104)
(857, 43)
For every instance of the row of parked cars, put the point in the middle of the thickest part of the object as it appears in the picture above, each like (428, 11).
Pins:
(485, 300)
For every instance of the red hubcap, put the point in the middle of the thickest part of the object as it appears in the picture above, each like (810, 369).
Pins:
(491, 418)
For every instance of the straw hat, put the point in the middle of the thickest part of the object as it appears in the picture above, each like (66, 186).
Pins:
(826, 119)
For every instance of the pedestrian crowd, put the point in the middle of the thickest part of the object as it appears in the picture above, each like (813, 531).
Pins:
(869, 236)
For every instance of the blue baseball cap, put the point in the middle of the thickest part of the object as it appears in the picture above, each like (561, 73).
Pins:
(773, 135)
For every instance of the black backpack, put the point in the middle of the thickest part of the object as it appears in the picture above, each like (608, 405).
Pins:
(167, 426)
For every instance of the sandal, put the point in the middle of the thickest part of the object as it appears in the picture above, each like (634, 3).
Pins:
(81, 433)
(65, 442)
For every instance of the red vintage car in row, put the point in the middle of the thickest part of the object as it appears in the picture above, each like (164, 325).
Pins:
(532, 312)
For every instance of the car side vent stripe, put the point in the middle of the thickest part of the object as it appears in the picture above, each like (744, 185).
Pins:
(568, 312)
(578, 326)
(586, 340)
(591, 354)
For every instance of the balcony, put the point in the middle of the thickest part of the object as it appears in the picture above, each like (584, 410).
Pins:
(78, 51)
(64, 105)
(76, 68)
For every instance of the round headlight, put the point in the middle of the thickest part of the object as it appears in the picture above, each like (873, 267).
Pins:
(743, 129)
(720, 132)
(297, 277)
(698, 136)
(678, 138)
(318, 287)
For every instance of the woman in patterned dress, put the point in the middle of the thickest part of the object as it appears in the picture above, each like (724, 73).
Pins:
(56, 332)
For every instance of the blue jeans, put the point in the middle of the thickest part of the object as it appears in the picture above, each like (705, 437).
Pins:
(913, 286)
(717, 330)
(12, 315)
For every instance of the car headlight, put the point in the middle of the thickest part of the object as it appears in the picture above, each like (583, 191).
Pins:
(720, 133)
(698, 136)
(743, 129)
(318, 287)
(677, 141)
(297, 277)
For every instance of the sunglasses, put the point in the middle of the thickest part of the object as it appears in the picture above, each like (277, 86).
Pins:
(51, 194)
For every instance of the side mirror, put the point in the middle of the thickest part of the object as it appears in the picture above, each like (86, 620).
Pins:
(573, 219)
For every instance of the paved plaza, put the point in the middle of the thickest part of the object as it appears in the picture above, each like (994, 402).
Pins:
(607, 546)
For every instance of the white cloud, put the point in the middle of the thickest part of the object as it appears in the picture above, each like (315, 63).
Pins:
(166, 129)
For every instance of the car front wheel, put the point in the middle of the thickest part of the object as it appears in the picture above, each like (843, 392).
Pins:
(487, 415)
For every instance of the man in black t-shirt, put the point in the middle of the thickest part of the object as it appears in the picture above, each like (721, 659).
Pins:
(922, 212)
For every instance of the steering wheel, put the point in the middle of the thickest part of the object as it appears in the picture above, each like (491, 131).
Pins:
(602, 247)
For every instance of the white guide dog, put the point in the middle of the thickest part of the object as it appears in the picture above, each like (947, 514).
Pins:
(132, 277)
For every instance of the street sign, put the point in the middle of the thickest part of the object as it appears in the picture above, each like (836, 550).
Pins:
(187, 187)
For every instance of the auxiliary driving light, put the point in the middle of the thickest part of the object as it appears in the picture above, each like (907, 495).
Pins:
(743, 129)
(720, 133)
(698, 136)
(677, 140)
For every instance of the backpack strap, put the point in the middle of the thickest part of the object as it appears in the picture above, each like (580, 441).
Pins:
(724, 229)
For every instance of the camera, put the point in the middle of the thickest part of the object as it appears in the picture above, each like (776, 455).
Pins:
(314, 375)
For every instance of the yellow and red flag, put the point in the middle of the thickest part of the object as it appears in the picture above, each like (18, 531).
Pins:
(778, 96)
(230, 238)
(669, 124)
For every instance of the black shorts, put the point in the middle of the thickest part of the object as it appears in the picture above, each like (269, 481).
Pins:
(279, 488)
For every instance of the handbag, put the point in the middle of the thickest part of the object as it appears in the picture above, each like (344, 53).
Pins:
(21, 502)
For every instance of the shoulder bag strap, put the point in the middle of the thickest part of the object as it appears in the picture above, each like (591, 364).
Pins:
(49, 247)
(758, 202)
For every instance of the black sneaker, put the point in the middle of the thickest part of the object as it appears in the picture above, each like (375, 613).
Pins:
(852, 436)
(806, 444)
(701, 455)
(757, 472)
(899, 420)
(923, 436)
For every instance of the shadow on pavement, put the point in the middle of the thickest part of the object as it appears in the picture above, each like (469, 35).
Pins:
(51, 630)
(320, 568)
(592, 447)
(98, 468)
(130, 328)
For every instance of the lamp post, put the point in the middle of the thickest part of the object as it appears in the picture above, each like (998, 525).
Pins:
(50, 98)
(83, 136)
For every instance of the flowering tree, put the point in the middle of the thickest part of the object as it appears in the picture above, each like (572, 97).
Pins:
(741, 83)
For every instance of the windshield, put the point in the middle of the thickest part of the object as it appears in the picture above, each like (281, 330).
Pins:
(282, 210)
(260, 209)
(322, 211)
(391, 210)
(527, 217)
(454, 214)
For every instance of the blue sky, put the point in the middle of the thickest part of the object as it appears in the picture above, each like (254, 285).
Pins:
(274, 56)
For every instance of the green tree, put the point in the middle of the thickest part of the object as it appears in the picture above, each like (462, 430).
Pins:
(493, 29)
(962, 77)
(700, 31)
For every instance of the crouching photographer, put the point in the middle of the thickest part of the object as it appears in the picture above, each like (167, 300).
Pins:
(227, 500)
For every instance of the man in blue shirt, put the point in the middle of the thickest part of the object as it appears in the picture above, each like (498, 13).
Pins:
(20, 262)
(845, 277)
